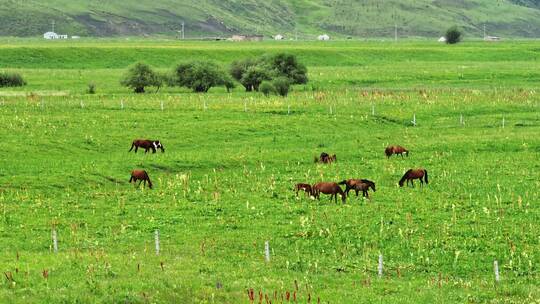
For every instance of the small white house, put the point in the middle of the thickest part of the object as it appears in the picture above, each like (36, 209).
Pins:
(492, 38)
(278, 37)
(442, 39)
(50, 35)
(323, 37)
(75, 37)
(53, 35)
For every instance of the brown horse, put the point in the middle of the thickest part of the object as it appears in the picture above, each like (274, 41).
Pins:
(328, 188)
(325, 158)
(141, 176)
(304, 187)
(146, 144)
(398, 150)
(413, 174)
(358, 185)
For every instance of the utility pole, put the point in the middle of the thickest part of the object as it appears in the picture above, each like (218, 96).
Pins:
(183, 36)
(484, 31)
(52, 25)
(395, 32)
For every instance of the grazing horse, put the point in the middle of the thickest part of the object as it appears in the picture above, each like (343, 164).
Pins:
(358, 185)
(398, 150)
(304, 187)
(328, 188)
(325, 158)
(141, 176)
(146, 144)
(413, 174)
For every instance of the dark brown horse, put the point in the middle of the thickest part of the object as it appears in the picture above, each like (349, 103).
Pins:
(413, 174)
(146, 144)
(358, 185)
(398, 150)
(141, 176)
(325, 158)
(328, 188)
(304, 187)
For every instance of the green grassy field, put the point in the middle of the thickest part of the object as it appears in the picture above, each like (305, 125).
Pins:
(224, 185)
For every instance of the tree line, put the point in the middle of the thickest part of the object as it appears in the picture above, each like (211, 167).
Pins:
(270, 74)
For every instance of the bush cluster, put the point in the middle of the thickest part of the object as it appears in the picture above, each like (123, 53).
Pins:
(275, 72)
(11, 80)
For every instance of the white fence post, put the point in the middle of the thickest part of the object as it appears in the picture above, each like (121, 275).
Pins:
(414, 120)
(55, 240)
(162, 105)
(121, 104)
(496, 270)
(380, 268)
(156, 237)
(267, 251)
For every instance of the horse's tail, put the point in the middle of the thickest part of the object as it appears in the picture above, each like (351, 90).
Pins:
(402, 180)
(344, 182)
(149, 182)
(132, 146)
(425, 176)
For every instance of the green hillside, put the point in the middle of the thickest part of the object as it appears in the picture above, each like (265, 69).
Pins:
(209, 18)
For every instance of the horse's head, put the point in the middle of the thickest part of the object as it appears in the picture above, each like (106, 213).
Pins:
(343, 197)
(401, 182)
(372, 185)
(333, 158)
(158, 145)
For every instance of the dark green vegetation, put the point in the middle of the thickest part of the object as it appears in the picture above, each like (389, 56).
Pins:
(453, 35)
(224, 185)
(210, 18)
(200, 76)
(139, 76)
(11, 80)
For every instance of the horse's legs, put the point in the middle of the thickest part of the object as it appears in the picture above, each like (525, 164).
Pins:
(136, 148)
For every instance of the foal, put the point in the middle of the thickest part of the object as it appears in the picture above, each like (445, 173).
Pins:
(141, 176)
(398, 150)
(325, 158)
(413, 174)
(328, 188)
(304, 187)
(147, 144)
(358, 185)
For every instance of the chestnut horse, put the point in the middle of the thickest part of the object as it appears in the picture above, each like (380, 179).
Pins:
(304, 187)
(141, 176)
(358, 185)
(146, 144)
(325, 158)
(413, 174)
(328, 188)
(398, 150)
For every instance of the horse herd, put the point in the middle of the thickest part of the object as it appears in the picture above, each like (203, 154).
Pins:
(329, 188)
(333, 188)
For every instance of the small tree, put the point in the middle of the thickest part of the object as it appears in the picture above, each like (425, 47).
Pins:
(229, 83)
(453, 35)
(238, 69)
(282, 85)
(267, 88)
(140, 76)
(200, 76)
(287, 65)
(11, 80)
(253, 77)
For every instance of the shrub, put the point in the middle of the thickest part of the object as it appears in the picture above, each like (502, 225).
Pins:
(286, 65)
(251, 72)
(229, 83)
(91, 88)
(453, 35)
(267, 88)
(282, 85)
(11, 80)
(254, 76)
(200, 76)
(140, 76)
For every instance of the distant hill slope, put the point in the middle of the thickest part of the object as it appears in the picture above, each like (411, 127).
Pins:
(357, 18)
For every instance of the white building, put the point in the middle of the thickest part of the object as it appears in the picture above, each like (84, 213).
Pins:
(50, 35)
(442, 39)
(323, 37)
(53, 35)
(278, 37)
